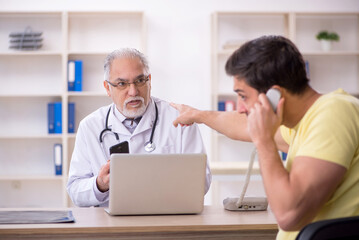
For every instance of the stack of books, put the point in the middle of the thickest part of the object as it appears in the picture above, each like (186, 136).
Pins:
(27, 40)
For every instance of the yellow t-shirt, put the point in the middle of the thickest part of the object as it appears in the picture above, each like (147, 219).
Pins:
(329, 131)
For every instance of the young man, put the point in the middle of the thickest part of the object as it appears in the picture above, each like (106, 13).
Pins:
(320, 133)
(135, 117)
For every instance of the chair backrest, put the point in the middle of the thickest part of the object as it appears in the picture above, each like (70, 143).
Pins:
(340, 228)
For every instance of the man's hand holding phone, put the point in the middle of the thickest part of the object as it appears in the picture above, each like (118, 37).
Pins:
(262, 121)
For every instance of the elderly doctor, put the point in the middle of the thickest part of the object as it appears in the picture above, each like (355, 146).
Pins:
(131, 117)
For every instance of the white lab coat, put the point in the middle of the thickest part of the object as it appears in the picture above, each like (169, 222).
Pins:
(88, 155)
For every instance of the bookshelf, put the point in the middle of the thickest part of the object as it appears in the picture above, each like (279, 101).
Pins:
(35, 78)
(327, 70)
(229, 31)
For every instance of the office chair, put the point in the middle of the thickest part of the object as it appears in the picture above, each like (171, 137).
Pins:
(340, 228)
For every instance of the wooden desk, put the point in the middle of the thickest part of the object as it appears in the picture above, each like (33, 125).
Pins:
(94, 223)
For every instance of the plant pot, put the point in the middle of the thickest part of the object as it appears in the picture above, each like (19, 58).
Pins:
(326, 45)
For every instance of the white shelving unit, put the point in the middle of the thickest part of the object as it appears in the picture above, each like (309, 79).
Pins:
(327, 70)
(339, 67)
(32, 79)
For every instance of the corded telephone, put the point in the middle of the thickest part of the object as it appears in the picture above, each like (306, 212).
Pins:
(252, 203)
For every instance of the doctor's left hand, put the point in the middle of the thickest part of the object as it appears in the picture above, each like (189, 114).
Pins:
(103, 178)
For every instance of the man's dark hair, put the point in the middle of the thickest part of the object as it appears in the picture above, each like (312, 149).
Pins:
(268, 61)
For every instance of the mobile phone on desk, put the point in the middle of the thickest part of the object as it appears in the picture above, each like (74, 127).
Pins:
(122, 147)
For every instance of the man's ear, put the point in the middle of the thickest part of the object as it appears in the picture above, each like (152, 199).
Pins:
(150, 77)
(107, 87)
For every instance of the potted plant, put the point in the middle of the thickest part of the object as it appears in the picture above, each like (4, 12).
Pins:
(326, 38)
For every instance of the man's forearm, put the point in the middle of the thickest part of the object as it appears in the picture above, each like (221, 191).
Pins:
(230, 124)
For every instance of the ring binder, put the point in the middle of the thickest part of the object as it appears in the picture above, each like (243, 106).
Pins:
(58, 158)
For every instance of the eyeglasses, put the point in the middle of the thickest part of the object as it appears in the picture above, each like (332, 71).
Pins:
(124, 84)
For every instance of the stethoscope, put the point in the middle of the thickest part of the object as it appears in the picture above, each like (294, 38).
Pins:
(149, 145)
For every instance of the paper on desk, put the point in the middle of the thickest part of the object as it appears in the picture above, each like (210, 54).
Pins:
(23, 217)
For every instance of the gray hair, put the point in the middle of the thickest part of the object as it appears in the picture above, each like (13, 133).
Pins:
(125, 53)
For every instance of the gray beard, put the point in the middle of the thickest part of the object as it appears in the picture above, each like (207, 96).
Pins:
(134, 113)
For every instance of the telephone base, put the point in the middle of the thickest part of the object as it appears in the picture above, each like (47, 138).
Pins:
(248, 204)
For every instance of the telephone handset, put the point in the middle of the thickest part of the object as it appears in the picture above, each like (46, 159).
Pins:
(273, 96)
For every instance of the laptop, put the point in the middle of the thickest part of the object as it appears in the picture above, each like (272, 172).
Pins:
(146, 184)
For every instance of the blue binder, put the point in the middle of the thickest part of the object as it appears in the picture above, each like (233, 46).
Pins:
(58, 158)
(58, 117)
(54, 117)
(221, 106)
(284, 156)
(51, 117)
(71, 118)
(74, 75)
